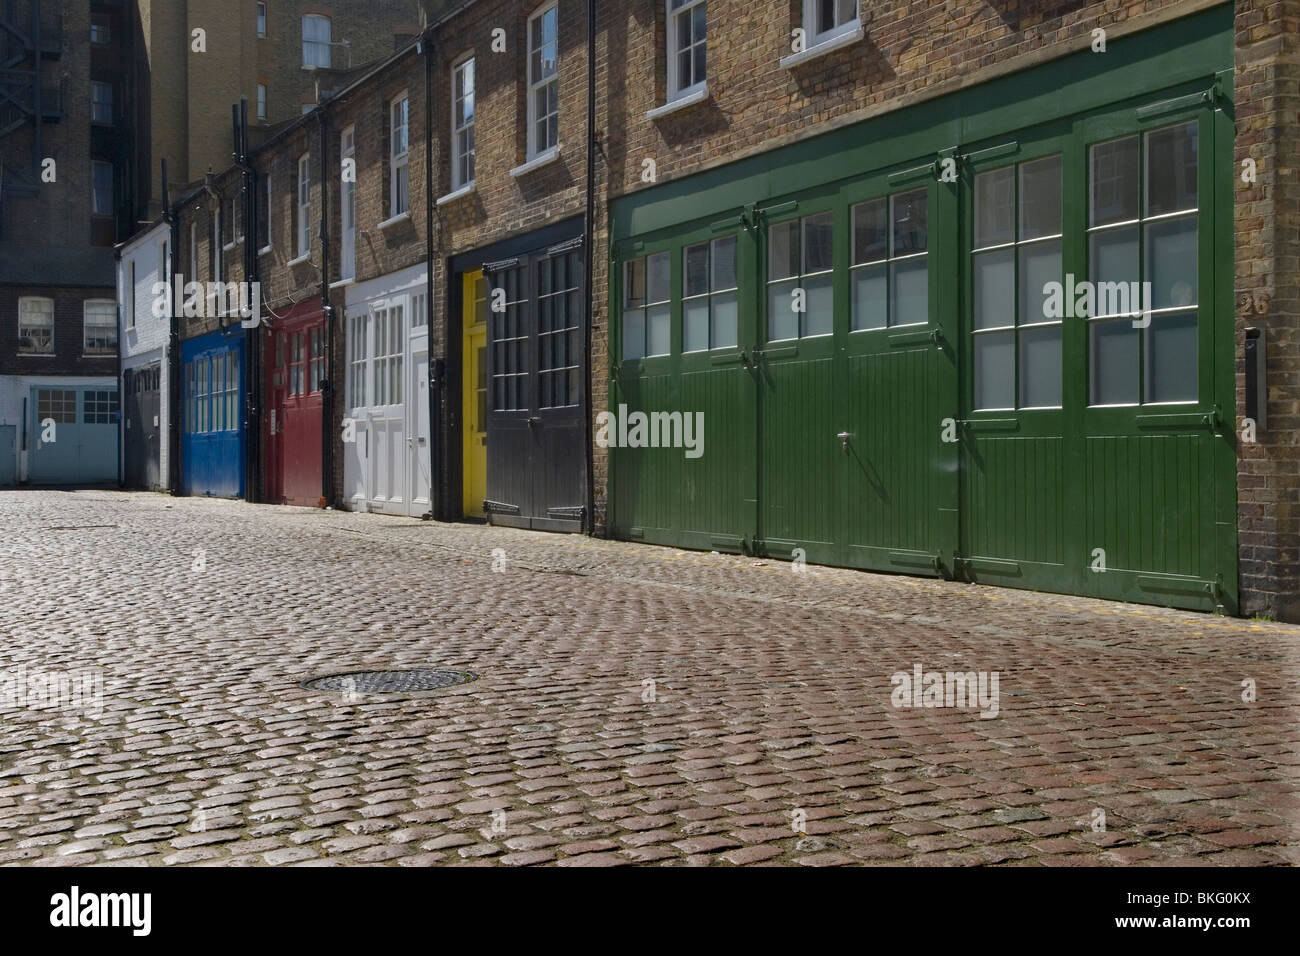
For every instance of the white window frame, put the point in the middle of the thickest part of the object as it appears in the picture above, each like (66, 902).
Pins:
(128, 295)
(46, 323)
(348, 203)
(303, 246)
(164, 276)
(194, 252)
(109, 311)
(217, 254)
(261, 20)
(95, 86)
(672, 48)
(813, 38)
(267, 212)
(262, 95)
(317, 45)
(535, 151)
(94, 189)
(234, 219)
(399, 160)
(461, 132)
(359, 324)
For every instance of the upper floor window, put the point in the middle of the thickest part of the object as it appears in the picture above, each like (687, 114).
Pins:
(825, 20)
(304, 205)
(543, 81)
(264, 220)
(399, 199)
(462, 124)
(101, 102)
(216, 244)
(128, 294)
(194, 252)
(102, 188)
(36, 326)
(315, 41)
(261, 19)
(99, 32)
(687, 31)
(99, 322)
(261, 101)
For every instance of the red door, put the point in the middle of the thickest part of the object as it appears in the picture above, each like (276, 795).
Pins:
(294, 374)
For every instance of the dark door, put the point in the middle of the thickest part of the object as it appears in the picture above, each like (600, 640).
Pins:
(141, 457)
(294, 376)
(536, 429)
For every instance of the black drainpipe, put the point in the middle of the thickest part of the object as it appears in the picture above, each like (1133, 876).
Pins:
(327, 387)
(174, 383)
(253, 336)
(436, 505)
(588, 243)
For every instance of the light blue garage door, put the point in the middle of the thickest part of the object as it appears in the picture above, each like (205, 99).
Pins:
(74, 435)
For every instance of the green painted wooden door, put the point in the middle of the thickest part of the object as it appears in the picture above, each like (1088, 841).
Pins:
(683, 422)
(1014, 476)
(1095, 455)
(800, 470)
(897, 378)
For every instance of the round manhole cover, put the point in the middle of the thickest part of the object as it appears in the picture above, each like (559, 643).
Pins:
(389, 682)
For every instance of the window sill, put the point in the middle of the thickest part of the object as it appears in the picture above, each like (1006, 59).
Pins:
(350, 280)
(299, 260)
(264, 251)
(455, 194)
(36, 355)
(681, 103)
(537, 162)
(394, 220)
(847, 38)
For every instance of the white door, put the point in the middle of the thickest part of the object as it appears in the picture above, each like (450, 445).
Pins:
(388, 457)
(419, 481)
(348, 209)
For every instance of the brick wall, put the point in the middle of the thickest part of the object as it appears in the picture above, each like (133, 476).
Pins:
(69, 340)
(1268, 297)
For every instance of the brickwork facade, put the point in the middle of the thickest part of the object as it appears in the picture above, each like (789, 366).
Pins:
(908, 53)
(1267, 233)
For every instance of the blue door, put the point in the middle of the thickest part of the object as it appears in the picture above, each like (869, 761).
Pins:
(212, 415)
(74, 435)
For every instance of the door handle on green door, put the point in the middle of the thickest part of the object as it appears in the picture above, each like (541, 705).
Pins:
(844, 441)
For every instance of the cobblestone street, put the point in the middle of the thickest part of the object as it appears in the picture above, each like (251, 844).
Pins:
(770, 704)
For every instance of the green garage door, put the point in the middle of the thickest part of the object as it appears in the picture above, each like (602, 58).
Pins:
(978, 338)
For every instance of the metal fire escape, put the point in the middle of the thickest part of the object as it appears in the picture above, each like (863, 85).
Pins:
(27, 41)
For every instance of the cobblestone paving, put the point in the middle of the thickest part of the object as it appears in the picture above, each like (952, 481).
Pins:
(771, 698)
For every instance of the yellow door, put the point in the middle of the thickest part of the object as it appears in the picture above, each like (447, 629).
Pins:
(474, 394)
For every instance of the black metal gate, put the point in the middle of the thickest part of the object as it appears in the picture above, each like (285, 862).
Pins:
(142, 442)
(536, 417)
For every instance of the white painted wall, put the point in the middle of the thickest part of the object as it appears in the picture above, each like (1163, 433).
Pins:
(145, 340)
